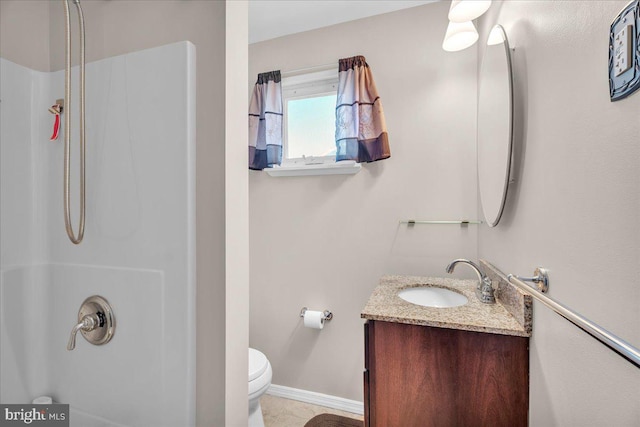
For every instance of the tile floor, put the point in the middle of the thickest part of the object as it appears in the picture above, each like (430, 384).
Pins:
(280, 412)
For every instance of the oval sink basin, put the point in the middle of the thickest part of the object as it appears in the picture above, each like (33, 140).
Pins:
(428, 296)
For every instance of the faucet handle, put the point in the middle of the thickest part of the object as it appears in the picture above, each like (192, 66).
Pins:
(485, 291)
(96, 322)
(88, 323)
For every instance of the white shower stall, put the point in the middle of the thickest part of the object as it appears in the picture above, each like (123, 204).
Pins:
(139, 245)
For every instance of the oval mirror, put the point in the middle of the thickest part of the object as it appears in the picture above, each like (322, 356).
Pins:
(495, 125)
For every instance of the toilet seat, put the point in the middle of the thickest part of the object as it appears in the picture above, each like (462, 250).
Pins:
(257, 364)
(259, 372)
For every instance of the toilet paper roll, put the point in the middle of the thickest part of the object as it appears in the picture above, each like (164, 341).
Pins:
(314, 319)
(42, 400)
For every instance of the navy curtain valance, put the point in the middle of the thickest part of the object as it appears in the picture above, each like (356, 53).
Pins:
(361, 130)
(265, 122)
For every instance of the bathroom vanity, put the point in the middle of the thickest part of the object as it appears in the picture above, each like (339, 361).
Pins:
(460, 366)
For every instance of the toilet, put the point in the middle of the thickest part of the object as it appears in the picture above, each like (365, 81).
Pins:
(259, 381)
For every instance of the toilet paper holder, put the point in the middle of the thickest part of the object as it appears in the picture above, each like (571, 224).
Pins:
(327, 315)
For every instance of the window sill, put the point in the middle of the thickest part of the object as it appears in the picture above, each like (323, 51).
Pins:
(340, 168)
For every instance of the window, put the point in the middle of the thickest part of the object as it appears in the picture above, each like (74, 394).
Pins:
(309, 147)
(309, 102)
(310, 123)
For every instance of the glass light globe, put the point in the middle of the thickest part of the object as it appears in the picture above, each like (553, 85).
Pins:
(459, 36)
(467, 10)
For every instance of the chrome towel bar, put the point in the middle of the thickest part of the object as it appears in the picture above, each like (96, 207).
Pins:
(460, 222)
(540, 278)
(617, 344)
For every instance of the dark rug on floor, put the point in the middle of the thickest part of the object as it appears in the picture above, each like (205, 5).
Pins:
(331, 420)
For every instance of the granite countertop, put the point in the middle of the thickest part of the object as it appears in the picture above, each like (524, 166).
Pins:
(385, 305)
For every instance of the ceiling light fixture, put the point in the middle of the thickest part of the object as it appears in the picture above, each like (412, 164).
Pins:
(459, 36)
(467, 10)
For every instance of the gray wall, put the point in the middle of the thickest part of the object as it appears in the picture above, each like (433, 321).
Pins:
(574, 208)
(33, 30)
(24, 33)
(323, 242)
(236, 215)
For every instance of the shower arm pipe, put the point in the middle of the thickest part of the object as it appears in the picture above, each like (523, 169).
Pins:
(75, 239)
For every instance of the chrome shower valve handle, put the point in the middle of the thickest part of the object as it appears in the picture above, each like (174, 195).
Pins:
(88, 323)
(96, 322)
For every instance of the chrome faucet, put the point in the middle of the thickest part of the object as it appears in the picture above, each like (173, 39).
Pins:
(484, 290)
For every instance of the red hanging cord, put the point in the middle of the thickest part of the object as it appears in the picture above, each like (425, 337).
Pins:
(55, 110)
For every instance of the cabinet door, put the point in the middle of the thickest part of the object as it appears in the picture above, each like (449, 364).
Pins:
(367, 415)
(422, 376)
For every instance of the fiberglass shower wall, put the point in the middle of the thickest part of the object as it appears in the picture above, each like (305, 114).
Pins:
(139, 246)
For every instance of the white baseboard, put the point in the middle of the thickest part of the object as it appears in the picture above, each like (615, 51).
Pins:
(314, 398)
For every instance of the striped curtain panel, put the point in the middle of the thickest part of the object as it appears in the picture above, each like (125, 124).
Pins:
(265, 122)
(361, 131)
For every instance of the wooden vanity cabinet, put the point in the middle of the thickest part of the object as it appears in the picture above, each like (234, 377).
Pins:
(425, 376)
